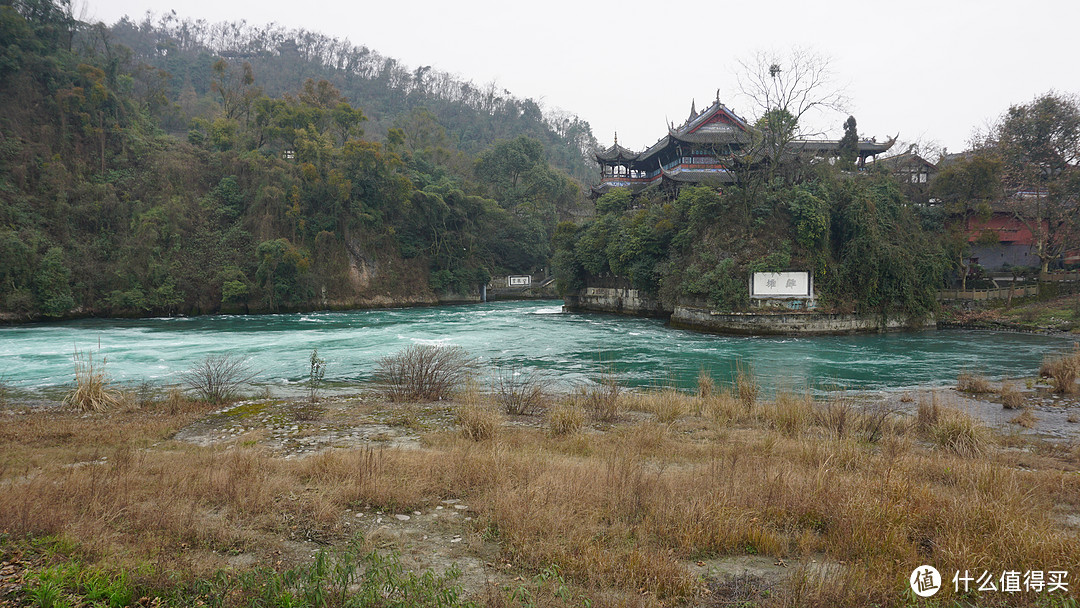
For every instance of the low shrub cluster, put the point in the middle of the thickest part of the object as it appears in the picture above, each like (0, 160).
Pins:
(424, 372)
(520, 392)
(219, 378)
(601, 400)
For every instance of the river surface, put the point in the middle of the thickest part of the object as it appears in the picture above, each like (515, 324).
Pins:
(538, 336)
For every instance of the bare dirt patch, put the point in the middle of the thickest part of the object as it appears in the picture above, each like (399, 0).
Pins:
(295, 428)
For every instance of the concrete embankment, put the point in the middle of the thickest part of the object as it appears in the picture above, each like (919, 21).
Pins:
(634, 302)
(615, 300)
(783, 323)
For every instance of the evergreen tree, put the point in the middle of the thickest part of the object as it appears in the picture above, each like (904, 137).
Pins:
(52, 284)
(849, 144)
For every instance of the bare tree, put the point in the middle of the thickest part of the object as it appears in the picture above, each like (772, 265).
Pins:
(1039, 144)
(784, 88)
(796, 83)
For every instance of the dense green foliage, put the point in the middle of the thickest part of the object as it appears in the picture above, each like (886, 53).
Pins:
(392, 95)
(862, 240)
(127, 188)
(348, 577)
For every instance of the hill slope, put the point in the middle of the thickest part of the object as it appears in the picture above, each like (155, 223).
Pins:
(122, 192)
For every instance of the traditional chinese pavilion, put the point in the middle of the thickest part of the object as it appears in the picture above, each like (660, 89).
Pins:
(702, 150)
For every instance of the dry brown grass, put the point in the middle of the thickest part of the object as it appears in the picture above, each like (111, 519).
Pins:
(928, 412)
(1011, 398)
(565, 419)
(1063, 372)
(478, 421)
(622, 512)
(973, 383)
(706, 386)
(958, 432)
(789, 413)
(747, 386)
(667, 405)
(723, 407)
(601, 400)
(1026, 419)
(92, 392)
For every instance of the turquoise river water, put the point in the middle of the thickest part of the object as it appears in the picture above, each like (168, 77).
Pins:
(566, 347)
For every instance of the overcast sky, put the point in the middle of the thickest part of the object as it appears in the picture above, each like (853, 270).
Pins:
(931, 71)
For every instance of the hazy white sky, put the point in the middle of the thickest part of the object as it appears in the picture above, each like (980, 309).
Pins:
(930, 71)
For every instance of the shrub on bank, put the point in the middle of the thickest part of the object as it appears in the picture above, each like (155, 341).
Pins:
(218, 378)
(423, 372)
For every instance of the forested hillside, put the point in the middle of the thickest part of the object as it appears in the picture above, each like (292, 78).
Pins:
(391, 94)
(254, 183)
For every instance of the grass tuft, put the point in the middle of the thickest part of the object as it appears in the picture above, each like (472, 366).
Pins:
(706, 386)
(565, 419)
(1063, 372)
(667, 404)
(972, 383)
(1011, 398)
(92, 392)
(747, 386)
(927, 413)
(602, 399)
(5, 391)
(1025, 419)
(478, 421)
(957, 432)
(790, 414)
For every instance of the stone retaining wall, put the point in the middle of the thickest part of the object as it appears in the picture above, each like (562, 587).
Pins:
(805, 323)
(621, 301)
(633, 302)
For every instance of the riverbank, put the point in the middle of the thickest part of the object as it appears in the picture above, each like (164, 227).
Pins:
(662, 499)
(1054, 316)
(372, 303)
(765, 322)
